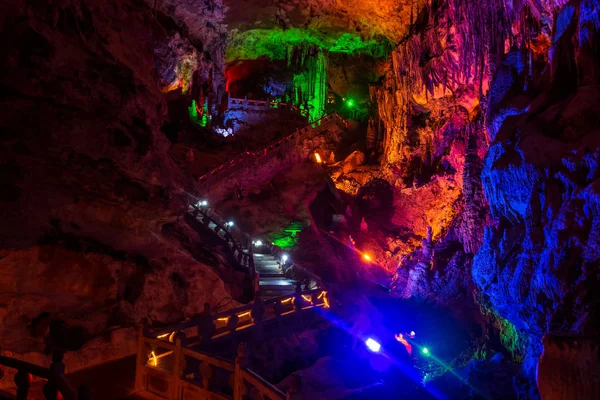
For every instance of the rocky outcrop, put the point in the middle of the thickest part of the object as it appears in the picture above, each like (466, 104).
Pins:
(538, 263)
(90, 195)
(568, 368)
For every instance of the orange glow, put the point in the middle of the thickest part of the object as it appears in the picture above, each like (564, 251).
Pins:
(154, 359)
(244, 314)
(318, 158)
(325, 300)
(400, 338)
(366, 257)
(162, 336)
(306, 298)
(286, 300)
(222, 319)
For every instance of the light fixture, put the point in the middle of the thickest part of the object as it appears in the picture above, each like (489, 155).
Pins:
(373, 345)
(284, 258)
(258, 243)
(425, 351)
(318, 158)
(230, 223)
(202, 203)
(366, 257)
(412, 334)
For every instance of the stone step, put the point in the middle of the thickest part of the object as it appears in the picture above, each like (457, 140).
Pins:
(276, 282)
(272, 263)
(274, 269)
(276, 292)
(270, 275)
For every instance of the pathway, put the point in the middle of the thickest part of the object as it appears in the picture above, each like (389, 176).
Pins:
(262, 266)
(272, 280)
(225, 171)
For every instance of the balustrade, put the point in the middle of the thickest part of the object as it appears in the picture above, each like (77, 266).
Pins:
(169, 366)
(56, 385)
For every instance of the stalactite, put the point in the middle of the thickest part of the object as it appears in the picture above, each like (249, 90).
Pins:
(309, 87)
(475, 209)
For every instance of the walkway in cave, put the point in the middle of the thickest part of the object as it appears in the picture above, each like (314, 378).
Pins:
(272, 280)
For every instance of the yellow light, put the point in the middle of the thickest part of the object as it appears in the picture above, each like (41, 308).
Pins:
(224, 319)
(244, 314)
(366, 257)
(323, 293)
(162, 336)
(318, 158)
(286, 300)
(154, 360)
(325, 301)
(306, 298)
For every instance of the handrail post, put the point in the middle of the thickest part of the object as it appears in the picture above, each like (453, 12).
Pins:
(258, 311)
(23, 381)
(232, 322)
(238, 378)
(206, 326)
(140, 360)
(177, 367)
(57, 372)
(298, 294)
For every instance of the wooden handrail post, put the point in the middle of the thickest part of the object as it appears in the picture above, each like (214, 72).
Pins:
(177, 367)
(57, 373)
(141, 357)
(232, 322)
(298, 294)
(23, 381)
(238, 377)
(258, 311)
(207, 327)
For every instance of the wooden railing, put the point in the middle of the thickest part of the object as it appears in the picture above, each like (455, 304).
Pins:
(170, 366)
(246, 158)
(56, 385)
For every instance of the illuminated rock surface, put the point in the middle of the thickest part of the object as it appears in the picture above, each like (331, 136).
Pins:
(467, 177)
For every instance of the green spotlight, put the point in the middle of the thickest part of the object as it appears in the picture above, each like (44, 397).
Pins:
(350, 102)
(425, 351)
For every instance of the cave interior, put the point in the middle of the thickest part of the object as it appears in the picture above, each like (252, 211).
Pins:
(300, 199)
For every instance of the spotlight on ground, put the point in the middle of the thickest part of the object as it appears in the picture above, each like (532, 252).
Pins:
(373, 345)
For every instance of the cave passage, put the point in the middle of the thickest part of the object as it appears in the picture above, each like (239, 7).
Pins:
(307, 199)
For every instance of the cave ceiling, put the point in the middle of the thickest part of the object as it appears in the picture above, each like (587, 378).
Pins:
(265, 28)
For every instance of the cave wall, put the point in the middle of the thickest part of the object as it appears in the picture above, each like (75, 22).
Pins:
(91, 198)
(490, 119)
(538, 266)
